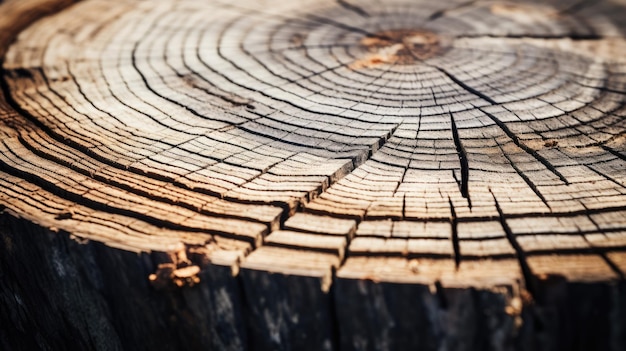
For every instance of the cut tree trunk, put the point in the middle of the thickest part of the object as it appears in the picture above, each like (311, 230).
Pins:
(313, 175)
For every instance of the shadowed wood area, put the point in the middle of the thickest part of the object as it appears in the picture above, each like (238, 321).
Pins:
(313, 175)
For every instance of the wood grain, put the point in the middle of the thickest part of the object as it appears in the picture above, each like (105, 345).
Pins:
(314, 175)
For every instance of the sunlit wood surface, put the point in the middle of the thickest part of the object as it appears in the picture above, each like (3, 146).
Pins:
(330, 174)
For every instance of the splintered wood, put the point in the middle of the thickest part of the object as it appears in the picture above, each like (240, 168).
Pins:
(333, 156)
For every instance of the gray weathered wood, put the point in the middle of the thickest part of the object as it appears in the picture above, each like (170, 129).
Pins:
(324, 175)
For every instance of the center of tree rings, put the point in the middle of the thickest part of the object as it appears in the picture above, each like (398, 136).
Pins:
(399, 46)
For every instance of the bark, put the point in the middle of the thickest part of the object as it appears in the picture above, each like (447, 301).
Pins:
(318, 175)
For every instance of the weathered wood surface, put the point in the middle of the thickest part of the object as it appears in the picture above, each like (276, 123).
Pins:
(313, 175)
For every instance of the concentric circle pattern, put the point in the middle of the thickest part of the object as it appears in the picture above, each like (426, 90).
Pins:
(289, 136)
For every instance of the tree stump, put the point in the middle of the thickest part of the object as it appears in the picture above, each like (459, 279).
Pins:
(313, 175)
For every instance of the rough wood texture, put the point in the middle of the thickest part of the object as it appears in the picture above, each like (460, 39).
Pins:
(313, 175)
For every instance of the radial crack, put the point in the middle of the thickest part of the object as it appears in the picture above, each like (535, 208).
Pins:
(529, 278)
(577, 6)
(524, 147)
(614, 267)
(438, 14)
(354, 8)
(614, 153)
(529, 182)
(502, 125)
(455, 235)
(465, 86)
(460, 150)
